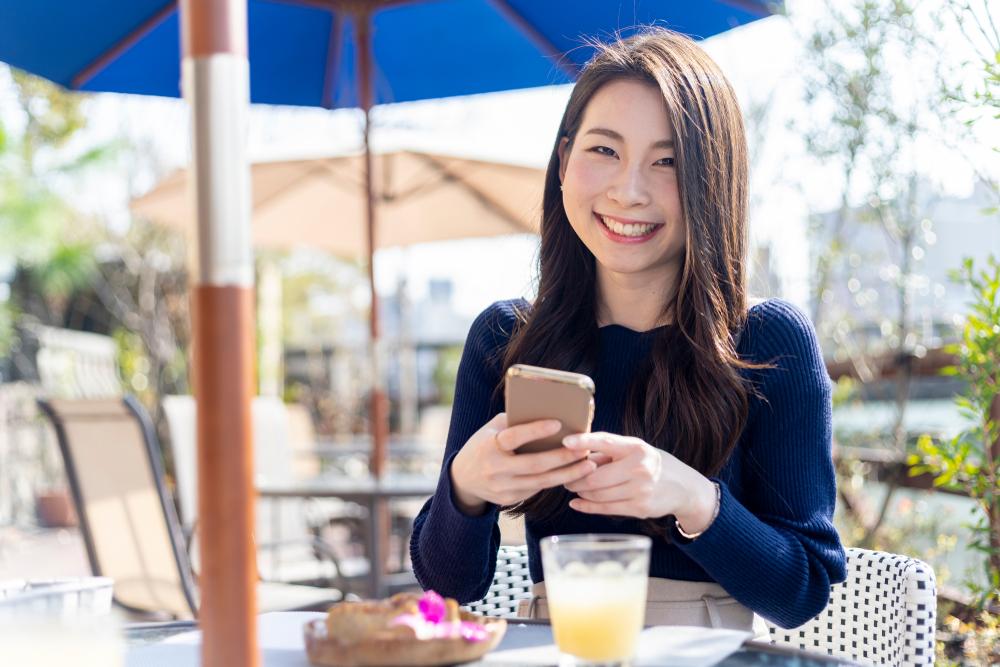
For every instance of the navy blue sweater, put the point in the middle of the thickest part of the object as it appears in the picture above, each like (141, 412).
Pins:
(773, 546)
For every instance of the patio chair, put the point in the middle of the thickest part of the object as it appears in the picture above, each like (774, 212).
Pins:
(511, 584)
(883, 614)
(288, 533)
(302, 441)
(128, 523)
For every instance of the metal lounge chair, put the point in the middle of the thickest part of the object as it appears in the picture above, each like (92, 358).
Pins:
(128, 523)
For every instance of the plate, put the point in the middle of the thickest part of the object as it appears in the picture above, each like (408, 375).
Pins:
(386, 650)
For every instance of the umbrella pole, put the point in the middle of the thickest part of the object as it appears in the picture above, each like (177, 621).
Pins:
(379, 406)
(216, 84)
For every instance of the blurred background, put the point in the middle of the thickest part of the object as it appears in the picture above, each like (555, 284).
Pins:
(873, 128)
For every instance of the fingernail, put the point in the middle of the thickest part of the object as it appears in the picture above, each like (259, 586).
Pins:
(554, 423)
(571, 440)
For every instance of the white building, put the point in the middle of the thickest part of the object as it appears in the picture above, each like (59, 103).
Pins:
(863, 294)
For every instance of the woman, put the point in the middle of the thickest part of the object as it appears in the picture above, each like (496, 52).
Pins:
(712, 425)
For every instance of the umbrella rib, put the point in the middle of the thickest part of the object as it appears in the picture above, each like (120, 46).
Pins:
(332, 60)
(750, 6)
(346, 6)
(90, 71)
(339, 178)
(309, 172)
(483, 198)
(540, 40)
(440, 178)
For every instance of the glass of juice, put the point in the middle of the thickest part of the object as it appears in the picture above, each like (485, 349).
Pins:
(596, 591)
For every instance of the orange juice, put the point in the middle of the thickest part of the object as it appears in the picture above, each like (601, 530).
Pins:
(597, 618)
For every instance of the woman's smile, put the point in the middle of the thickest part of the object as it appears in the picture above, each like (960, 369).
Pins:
(626, 230)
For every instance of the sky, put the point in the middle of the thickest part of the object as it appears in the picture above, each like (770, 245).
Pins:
(759, 59)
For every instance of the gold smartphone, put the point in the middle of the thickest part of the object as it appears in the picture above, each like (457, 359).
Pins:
(533, 393)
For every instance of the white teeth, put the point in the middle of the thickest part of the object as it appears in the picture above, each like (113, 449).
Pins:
(626, 230)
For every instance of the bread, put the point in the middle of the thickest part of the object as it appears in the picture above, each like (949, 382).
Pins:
(371, 634)
(352, 622)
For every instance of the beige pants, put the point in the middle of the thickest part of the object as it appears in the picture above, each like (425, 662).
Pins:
(674, 602)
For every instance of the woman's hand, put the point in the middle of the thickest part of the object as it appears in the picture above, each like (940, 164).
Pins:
(641, 481)
(487, 470)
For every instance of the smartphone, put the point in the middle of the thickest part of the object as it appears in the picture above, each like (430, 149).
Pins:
(533, 393)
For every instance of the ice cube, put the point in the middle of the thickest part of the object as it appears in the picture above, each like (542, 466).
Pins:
(637, 566)
(609, 568)
(576, 569)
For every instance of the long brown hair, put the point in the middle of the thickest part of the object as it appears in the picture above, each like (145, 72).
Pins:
(689, 398)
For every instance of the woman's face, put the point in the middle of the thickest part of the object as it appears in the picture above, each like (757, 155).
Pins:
(620, 183)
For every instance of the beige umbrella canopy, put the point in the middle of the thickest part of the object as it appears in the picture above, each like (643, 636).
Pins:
(421, 197)
(324, 203)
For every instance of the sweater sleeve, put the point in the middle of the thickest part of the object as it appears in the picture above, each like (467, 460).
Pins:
(453, 553)
(789, 552)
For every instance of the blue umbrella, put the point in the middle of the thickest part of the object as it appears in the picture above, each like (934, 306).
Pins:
(303, 52)
(349, 53)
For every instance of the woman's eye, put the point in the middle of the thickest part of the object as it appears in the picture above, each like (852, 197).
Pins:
(603, 150)
(665, 162)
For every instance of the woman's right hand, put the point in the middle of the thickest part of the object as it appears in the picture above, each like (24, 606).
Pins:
(487, 470)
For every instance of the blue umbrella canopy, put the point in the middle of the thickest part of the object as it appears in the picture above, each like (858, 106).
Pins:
(303, 52)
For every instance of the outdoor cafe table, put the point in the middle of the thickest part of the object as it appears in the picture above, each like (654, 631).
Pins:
(374, 494)
(327, 448)
(282, 645)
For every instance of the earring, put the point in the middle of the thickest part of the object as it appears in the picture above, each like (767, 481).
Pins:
(560, 186)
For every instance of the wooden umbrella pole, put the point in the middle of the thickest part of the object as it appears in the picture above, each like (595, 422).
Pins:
(379, 406)
(216, 85)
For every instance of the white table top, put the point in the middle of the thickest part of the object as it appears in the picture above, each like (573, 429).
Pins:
(280, 637)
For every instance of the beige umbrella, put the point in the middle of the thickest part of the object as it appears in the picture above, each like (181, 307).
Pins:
(421, 197)
(323, 203)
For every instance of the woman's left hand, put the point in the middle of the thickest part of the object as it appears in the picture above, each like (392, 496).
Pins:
(638, 480)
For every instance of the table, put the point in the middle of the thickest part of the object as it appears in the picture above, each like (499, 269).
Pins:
(374, 494)
(397, 446)
(281, 642)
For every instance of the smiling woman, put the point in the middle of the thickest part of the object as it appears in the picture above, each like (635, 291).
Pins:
(712, 418)
(620, 191)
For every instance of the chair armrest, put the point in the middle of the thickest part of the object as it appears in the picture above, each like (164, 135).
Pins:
(188, 532)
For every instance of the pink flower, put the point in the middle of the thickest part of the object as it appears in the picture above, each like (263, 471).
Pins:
(432, 607)
(430, 623)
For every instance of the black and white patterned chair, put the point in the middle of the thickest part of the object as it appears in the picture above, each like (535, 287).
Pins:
(511, 584)
(883, 614)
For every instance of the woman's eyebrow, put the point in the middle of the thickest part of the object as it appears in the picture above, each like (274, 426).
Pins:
(611, 134)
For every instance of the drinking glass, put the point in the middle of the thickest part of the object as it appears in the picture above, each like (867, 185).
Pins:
(596, 592)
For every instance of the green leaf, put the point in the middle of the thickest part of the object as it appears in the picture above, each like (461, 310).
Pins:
(69, 268)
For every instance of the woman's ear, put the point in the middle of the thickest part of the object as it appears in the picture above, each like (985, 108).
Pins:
(563, 157)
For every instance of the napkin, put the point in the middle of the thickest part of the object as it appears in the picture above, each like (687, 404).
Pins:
(687, 646)
(659, 646)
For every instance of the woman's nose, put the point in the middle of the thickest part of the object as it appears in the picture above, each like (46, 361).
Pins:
(629, 188)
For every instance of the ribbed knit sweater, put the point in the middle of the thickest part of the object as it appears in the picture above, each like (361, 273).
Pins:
(772, 546)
